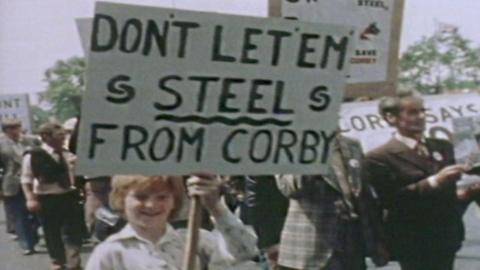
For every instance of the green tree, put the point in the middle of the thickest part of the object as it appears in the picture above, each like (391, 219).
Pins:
(39, 116)
(440, 63)
(65, 86)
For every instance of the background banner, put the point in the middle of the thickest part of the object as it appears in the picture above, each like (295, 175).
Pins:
(16, 106)
(361, 120)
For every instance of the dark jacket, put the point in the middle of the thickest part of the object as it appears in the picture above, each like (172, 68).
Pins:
(419, 218)
(47, 170)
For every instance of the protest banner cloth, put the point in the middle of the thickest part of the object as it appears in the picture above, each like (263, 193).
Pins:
(361, 120)
(16, 106)
(374, 63)
(173, 92)
(447, 117)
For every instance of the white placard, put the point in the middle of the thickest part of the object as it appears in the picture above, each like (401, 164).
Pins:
(372, 21)
(174, 92)
(16, 106)
(467, 139)
(84, 28)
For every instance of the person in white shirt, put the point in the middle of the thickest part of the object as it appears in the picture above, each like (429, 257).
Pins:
(47, 181)
(148, 241)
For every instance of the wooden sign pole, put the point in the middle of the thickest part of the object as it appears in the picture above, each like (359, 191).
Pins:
(194, 221)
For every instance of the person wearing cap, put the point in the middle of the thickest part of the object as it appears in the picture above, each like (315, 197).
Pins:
(331, 222)
(415, 178)
(47, 181)
(12, 146)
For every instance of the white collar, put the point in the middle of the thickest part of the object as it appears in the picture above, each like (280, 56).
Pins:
(128, 232)
(48, 148)
(409, 142)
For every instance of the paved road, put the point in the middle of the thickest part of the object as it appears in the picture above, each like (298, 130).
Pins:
(12, 259)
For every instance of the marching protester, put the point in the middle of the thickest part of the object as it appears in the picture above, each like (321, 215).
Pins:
(12, 147)
(267, 209)
(415, 178)
(70, 127)
(263, 206)
(47, 181)
(332, 222)
(95, 189)
(148, 241)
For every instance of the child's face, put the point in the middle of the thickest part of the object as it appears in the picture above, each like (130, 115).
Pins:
(149, 208)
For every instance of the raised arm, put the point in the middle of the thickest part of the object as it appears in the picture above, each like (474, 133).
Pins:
(238, 240)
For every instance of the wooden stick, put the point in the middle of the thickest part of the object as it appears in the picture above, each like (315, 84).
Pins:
(194, 221)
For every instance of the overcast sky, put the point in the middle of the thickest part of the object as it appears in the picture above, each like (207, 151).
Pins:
(36, 33)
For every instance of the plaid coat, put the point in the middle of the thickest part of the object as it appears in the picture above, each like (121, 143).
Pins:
(315, 223)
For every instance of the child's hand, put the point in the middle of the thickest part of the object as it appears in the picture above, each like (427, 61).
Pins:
(207, 188)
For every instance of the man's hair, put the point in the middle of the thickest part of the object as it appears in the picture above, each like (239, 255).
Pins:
(391, 105)
(10, 123)
(47, 129)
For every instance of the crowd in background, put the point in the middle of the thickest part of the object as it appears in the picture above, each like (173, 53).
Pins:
(399, 202)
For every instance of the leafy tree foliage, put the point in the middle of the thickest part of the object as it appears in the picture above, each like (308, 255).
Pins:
(39, 116)
(66, 84)
(440, 63)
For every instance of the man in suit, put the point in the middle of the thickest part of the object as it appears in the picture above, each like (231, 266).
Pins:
(47, 181)
(331, 221)
(415, 179)
(12, 147)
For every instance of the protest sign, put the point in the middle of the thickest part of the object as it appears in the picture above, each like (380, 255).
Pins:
(173, 92)
(84, 27)
(16, 106)
(377, 22)
(361, 120)
(466, 138)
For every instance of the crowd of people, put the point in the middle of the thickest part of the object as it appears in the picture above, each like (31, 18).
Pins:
(398, 202)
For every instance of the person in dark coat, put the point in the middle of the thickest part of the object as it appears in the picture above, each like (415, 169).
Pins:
(415, 178)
